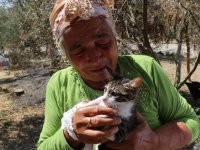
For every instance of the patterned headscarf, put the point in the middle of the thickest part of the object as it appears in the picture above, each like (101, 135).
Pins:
(81, 10)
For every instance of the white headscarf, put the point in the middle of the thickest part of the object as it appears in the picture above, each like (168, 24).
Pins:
(83, 10)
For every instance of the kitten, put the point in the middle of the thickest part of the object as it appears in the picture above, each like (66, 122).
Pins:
(120, 93)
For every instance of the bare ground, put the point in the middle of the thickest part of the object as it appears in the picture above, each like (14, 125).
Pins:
(21, 117)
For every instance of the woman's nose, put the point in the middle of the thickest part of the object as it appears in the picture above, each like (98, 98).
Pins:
(94, 53)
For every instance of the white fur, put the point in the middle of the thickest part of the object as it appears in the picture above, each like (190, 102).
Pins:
(125, 108)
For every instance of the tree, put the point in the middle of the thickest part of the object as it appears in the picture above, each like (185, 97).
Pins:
(30, 29)
(133, 23)
(159, 21)
(5, 27)
(193, 19)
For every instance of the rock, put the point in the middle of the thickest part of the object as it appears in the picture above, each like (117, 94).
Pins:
(4, 90)
(19, 92)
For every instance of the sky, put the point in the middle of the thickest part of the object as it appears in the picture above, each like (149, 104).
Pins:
(5, 3)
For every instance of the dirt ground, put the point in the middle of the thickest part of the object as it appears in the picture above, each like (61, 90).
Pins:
(21, 117)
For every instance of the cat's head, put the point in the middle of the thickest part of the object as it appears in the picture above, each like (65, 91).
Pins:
(123, 90)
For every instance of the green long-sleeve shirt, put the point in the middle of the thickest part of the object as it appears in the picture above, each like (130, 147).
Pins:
(158, 100)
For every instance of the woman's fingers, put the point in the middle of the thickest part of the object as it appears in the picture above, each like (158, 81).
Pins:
(99, 136)
(97, 110)
(94, 124)
(87, 130)
(96, 116)
(99, 121)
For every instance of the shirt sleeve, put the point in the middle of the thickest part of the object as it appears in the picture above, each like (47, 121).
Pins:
(172, 106)
(52, 136)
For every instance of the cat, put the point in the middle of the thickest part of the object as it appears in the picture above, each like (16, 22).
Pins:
(120, 93)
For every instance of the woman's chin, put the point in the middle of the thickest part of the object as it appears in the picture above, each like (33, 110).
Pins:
(97, 78)
(102, 76)
(100, 79)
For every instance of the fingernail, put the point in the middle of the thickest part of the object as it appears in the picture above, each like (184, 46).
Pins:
(115, 130)
(118, 121)
(114, 111)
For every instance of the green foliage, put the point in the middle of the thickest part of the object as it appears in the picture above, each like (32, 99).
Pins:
(31, 23)
(5, 27)
(24, 24)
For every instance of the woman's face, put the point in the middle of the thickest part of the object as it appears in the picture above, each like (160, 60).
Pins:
(91, 47)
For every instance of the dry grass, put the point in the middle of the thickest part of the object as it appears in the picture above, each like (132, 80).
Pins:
(170, 68)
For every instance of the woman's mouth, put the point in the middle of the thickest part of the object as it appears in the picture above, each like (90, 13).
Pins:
(99, 69)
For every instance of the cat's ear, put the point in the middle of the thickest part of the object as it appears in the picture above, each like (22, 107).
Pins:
(135, 83)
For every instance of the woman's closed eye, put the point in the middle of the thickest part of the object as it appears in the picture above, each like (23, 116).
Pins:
(76, 50)
(103, 43)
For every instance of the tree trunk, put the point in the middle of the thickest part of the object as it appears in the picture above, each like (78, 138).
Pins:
(145, 24)
(188, 49)
(190, 74)
(178, 58)
(178, 86)
(146, 47)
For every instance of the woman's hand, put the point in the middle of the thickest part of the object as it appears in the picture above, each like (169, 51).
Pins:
(142, 137)
(87, 124)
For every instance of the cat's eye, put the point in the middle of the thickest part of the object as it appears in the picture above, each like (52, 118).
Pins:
(114, 94)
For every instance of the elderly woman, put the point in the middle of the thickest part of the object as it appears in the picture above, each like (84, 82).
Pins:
(84, 29)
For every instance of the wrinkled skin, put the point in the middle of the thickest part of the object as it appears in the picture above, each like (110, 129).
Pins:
(170, 136)
(91, 47)
(92, 135)
(142, 137)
